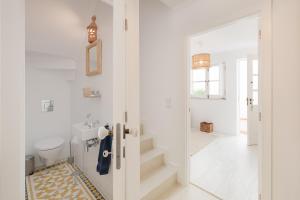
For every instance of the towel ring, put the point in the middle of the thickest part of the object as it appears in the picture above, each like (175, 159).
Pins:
(106, 153)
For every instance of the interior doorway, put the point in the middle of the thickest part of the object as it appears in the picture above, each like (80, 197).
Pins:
(223, 158)
(242, 96)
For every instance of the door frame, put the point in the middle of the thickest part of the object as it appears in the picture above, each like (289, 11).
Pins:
(266, 107)
(12, 117)
(265, 136)
(255, 108)
(238, 119)
(12, 99)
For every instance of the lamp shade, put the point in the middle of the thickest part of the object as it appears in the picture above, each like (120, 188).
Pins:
(201, 60)
(92, 30)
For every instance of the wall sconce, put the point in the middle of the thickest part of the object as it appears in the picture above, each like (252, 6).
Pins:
(92, 30)
(201, 61)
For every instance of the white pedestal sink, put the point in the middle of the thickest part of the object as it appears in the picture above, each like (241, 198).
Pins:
(81, 133)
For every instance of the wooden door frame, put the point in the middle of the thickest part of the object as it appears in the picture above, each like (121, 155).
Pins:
(265, 138)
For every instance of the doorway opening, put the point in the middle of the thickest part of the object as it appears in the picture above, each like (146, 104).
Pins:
(223, 153)
(76, 94)
(242, 95)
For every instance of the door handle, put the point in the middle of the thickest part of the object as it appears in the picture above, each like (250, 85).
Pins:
(126, 131)
(249, 101)
(118, 146)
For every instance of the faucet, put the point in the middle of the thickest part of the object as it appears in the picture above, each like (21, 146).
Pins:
(89, 120)
(94, 123)
(90, 123)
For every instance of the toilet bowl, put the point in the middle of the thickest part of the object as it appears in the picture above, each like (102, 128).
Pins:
(49, 149)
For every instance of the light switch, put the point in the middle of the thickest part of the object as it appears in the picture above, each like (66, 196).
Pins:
(168, 102)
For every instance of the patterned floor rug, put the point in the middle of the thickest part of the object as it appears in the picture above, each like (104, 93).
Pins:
(56, 183)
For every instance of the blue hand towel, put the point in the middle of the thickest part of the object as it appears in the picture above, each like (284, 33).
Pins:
(104, 162)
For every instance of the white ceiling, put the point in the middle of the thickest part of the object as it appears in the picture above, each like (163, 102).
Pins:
(109, 2)
(174, 3)
(59, 26)
(237, 35)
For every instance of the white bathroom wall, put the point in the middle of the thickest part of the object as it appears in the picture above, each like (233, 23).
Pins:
(162, 80)
(164, 33)
(44, 84)
(101, 109)
(222, 112)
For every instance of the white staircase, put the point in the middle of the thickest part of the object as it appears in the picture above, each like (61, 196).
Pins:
(157, 177)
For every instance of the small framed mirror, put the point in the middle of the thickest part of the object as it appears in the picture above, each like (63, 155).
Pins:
(94, 58)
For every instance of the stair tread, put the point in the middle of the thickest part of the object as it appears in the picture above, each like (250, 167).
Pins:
(146, 137)
(151, 154)
(157, 178)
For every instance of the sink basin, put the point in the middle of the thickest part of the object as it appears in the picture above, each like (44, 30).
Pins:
(83, 132)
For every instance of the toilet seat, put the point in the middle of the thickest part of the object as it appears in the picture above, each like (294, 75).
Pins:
(49, 144)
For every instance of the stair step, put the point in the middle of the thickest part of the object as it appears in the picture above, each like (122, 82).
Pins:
(161, 180)
(146, 143)
(149, 155)
(151, 161)
(146, 137)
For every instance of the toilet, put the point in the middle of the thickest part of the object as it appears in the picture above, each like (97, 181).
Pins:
(49, 149)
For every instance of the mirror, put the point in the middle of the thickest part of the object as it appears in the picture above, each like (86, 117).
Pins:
(94, 58)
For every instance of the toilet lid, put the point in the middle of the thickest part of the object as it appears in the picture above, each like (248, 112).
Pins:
(50, 143)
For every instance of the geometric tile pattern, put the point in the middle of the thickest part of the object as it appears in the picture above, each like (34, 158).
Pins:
(56, 183)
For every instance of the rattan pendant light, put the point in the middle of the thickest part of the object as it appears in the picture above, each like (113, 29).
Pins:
(201, 60)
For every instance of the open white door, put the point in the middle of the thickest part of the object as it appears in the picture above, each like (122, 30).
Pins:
(119, 97)
(132, 117)
(126, 165)
(253, 100)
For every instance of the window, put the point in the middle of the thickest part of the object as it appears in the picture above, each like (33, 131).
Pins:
(208, 83)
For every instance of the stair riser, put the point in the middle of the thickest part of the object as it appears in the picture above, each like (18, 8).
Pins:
(150, 166)
(146, 145)
(167, 185)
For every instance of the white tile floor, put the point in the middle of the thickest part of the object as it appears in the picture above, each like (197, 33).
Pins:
(187, 193)
(228, 168)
